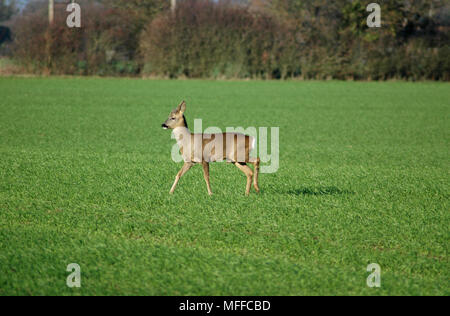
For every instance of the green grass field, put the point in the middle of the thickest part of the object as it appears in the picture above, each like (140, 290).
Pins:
(85, 171)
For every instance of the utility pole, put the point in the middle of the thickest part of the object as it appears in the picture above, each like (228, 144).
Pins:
(51, 11)
(173, 5)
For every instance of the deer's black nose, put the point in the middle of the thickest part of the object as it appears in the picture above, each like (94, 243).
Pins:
(164, 126)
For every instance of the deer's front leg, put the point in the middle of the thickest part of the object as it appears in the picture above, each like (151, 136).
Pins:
(184, 169)
(206, 175)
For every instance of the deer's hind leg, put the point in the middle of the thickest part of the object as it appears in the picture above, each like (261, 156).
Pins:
(248, 172)
(256, 163)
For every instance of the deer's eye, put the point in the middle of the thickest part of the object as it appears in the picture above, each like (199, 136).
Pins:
(173, 119)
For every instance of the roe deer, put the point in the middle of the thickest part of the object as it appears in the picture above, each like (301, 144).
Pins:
(206, 148)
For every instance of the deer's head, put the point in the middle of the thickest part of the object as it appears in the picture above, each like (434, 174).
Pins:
(176, 118)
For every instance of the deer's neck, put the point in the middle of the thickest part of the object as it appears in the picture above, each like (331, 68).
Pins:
(182, 134)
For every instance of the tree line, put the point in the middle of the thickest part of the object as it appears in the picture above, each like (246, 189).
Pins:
(267, 39)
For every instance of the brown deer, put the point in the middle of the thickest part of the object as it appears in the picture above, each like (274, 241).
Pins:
(206, 148)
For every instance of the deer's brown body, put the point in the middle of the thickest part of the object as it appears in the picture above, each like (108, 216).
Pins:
(206, 148)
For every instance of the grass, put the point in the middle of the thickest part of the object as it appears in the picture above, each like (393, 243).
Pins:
(85, 171)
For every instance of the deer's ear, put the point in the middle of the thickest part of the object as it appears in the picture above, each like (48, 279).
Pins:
(182, 107)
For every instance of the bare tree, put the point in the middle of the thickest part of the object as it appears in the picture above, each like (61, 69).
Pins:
(7, 9)
(51, 11)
